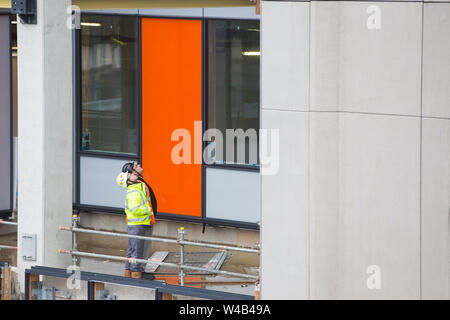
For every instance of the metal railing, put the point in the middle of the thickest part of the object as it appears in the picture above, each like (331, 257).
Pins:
(8, 247)
(180, 241)
(163, 290)
(10, 224)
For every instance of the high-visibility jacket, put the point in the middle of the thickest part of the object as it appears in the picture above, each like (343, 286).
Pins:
(137, 206)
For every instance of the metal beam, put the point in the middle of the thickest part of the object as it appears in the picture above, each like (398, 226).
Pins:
(166, 264)
(182, 242)
(148, 4)
(159, 286)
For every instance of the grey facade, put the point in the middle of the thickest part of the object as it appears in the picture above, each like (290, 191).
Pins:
(360, 92)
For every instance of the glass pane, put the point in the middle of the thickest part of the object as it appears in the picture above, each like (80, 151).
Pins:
(109, 88)
(233, 90)
(5, 114)
(243, 187)
(98, 185)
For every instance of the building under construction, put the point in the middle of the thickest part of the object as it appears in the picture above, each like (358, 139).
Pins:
(297, 149)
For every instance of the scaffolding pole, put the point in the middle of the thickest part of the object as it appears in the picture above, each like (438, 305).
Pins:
(181, 234)
(8, 247)
(166, 264)
(8, 223)
(182, 242)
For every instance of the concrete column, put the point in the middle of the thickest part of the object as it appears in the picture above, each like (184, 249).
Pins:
(45, 134)
(436, 152)
(360, 206)
(284, 106)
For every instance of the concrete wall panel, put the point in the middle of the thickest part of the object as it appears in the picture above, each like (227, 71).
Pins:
(285, 55)
(365, 205)
(436, 62)
(45, 131)
(284, 210)
(354, 68)
(324, 204)
(435, 208)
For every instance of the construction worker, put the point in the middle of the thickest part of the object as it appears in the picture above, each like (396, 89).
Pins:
(139, 217)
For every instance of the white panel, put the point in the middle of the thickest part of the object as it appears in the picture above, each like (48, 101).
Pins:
(435, 209)
(118, 11)
(285, 55)
(233, 195)
(5, 115)
(358, 67)
(29, 247)
(365, 205)
(285, 209)
(436, 62)
(179, 12)
(232, 13)
(98, 185)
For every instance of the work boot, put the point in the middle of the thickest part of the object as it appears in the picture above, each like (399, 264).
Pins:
(127, 273)
(136, 275)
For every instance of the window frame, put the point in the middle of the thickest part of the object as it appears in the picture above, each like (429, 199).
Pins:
(8, 212)
(98, 154)
(205, 119)
(125, 156)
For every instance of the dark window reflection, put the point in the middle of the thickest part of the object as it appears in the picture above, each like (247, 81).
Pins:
(109, 88)
(233, 86)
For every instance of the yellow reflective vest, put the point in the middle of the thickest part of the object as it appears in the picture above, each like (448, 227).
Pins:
(137, 205)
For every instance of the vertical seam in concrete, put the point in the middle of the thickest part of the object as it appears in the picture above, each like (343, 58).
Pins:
(44, 128)
(309, 153)
(420, 155)
(260, 151)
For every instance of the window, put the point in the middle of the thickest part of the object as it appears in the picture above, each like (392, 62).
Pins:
(109, 101)
(191, 72)
(233, 92)
(5, 114)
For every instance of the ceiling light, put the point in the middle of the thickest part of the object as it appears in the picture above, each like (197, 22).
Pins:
(251, 53)
(91, 24)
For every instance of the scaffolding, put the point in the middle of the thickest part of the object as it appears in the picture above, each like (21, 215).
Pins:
(10, 224)
(181, 266)
(180, 241)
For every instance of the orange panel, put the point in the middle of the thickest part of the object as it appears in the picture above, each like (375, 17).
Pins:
(171, 99)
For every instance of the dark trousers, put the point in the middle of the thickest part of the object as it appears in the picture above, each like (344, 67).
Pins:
(137, 248)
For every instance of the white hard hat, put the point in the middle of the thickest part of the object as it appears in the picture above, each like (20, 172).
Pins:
(122, 179)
